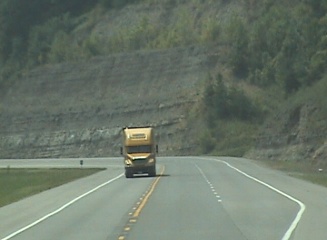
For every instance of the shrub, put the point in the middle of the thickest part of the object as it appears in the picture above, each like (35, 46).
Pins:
(222, 102)
(43, 36)
(207, 143)
(236, 36)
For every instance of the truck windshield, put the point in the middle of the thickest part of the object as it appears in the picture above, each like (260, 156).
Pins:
(139, 149)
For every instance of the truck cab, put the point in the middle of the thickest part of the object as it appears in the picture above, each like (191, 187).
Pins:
(139, 151)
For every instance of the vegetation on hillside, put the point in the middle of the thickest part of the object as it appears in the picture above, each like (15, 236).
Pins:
(273, 42)
(231, 117)
(268, 43)
(37, 32)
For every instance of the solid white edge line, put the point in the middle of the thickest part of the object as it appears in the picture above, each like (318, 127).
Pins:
(61, 208)
(297, 219)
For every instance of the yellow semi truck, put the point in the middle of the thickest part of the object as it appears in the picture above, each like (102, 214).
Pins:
(139, 151)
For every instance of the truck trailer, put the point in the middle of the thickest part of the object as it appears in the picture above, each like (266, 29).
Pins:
(139, 151)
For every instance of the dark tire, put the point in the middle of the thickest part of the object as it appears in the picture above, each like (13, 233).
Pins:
(153, 172)
(128, 173)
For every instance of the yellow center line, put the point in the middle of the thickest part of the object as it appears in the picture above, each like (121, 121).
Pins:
(147, 196)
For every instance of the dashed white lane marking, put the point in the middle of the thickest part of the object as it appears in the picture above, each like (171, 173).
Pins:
(302, 206)
(209, 183)
(61, 208)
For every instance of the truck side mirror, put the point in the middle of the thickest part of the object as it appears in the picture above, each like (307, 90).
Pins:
(121, 150)
(157, 149)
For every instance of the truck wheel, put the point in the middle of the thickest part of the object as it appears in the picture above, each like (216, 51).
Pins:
(128, 174)
(152, 172)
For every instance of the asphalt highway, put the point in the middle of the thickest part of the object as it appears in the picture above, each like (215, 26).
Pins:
(191, 198)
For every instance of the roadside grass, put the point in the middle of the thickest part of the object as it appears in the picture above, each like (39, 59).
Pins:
(301, 170)
(317, 178)
(229, 138)
(16, 183)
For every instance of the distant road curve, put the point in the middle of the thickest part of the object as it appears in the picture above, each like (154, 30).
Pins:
(192, 198)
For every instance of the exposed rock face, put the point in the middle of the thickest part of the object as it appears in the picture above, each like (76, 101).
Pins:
(295, 134)
(78, 109)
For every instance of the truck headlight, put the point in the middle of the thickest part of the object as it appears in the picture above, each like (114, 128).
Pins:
(151, 160)
(128, 162)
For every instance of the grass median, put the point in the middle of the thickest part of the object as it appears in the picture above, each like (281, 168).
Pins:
(17, 183)
(302, 170)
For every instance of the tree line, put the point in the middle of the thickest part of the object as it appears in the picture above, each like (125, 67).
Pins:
(285, 43)
(29, 29)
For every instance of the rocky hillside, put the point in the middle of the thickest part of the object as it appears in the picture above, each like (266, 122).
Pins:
(297, 130)
(72, 76)
(78, 109)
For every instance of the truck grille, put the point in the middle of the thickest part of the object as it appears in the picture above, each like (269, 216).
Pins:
(139, 161)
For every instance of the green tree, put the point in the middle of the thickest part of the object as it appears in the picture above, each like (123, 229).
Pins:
(42, 37)
(237, 39)
(222, 102)
(116, 3)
